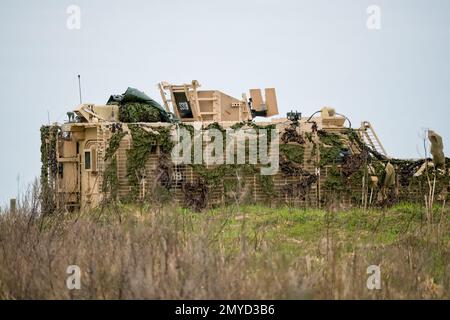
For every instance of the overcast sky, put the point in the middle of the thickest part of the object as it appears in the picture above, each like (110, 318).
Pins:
(315, 53)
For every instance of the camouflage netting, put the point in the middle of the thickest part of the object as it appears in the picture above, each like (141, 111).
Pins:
(49, 167)
(138, 112)
(145, 142)
(301, 188)
(197, 192)
(352, 163)
(350, 171)
(114, 143)
(110, 178)
(385, 180)
(291, 135)
(136, 106)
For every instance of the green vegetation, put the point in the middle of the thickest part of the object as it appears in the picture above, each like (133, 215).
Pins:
(143, 144)
(232, 177)
(330, 148)
(114, 143)
(233, 252)
(267, 186)
(343, 158)
(110, 179)
(49, 167)
(334, 181)
(133, 112)
(293, 152)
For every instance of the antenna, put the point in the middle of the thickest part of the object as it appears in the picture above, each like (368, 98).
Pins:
(79, 88)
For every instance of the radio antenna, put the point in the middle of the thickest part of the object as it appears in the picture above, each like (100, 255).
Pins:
(79, 88)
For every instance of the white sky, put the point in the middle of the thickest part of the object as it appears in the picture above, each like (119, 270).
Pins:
(314, 52)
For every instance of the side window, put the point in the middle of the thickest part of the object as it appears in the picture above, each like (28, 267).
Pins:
(87, 160)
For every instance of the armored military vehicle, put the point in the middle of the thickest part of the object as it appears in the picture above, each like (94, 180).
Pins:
(123, 151)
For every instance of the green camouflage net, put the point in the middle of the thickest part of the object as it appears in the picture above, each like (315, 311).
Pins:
(143, 144)
(293, 152)
(110, 179)
(49, 167)
(114, 143)
(138, 112)
(351, 170)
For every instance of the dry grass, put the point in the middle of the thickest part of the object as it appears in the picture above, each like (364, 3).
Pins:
(248, 252)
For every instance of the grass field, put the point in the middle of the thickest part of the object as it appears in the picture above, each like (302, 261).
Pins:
(236, 252)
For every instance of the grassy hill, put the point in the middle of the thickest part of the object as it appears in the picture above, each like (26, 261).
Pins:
(236, 252)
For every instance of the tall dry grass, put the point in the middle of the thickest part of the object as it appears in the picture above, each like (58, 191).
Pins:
(166, 253)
